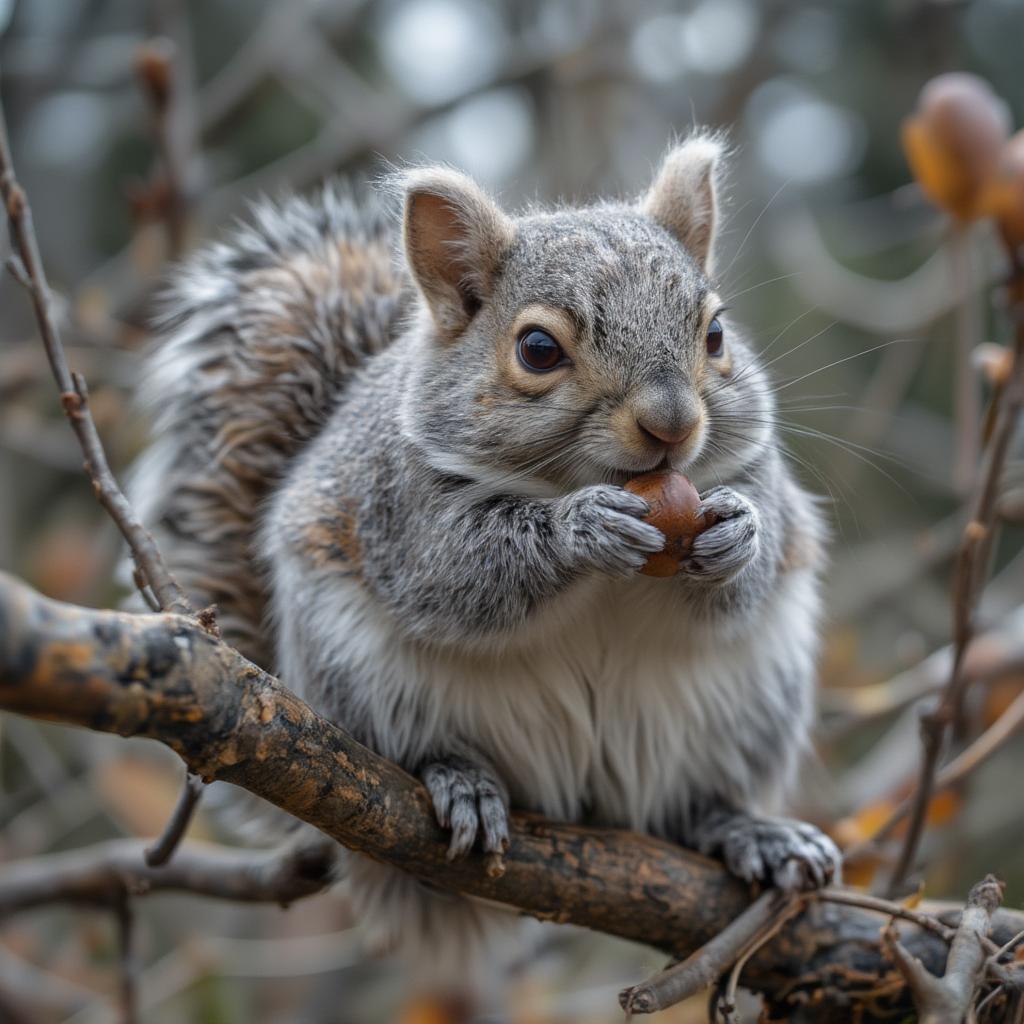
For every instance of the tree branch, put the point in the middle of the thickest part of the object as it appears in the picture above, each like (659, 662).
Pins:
(164, 677)
(702, 967)
(104, 874)
(74, 397)
(152, 577)
(947, 999)
(163, 848)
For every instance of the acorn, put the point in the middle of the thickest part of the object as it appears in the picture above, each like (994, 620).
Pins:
(954, 140)
(675, 510)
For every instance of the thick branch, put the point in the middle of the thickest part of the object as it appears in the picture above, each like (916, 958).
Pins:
(163, 677)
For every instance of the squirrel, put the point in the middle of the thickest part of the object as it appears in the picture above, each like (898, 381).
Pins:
(394, 458)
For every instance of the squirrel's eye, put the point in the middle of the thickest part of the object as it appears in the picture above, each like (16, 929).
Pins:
(539, 352)
(716, 337)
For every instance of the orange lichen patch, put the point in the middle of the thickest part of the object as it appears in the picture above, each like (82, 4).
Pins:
(954, 140)
(61, 658)
(266, 703)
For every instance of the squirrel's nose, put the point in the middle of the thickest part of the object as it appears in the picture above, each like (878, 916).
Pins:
(664, 417)
(665, 432)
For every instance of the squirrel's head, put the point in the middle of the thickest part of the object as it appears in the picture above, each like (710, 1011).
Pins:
(580, 345)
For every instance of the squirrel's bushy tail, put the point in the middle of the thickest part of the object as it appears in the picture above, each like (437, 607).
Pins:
(258, 335)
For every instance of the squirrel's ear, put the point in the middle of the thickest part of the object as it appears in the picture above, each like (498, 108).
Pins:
(455, 241)
(683, 197)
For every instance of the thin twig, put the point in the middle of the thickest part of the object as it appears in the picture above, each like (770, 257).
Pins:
(73, 393)
(127, 964)
(151, 573)
(156, 69)
(966, 401)
(1006, 947)
(993, 739)
(850, 898)
(174, 831)
(727, 1003)
(703, 966)
(971, 570)
(106, 874)
(991, 997)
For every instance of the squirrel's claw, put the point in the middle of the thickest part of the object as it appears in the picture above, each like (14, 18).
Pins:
(789, 854)
(470, 802)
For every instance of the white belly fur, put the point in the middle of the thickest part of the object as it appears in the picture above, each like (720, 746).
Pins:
(620, 706)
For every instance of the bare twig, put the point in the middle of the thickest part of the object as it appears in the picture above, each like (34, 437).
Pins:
(948, 999)
(73, 393)
(851, 898)
(1007, 947)
(727, 1002)
(105, 874)
(38, 990)
(163, 849)
(127, 964)
(151, 573)
(966, 396)
(971, 569)
(993, 739)
(993, 655)
(156, 69)
(703, 966)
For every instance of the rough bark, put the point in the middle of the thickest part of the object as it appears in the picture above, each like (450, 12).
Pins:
(162, 676)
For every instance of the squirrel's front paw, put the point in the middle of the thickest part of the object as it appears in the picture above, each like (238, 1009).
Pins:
(606, 530)
(721, 551)
(469, 800)
(791, 855)
(784, 852)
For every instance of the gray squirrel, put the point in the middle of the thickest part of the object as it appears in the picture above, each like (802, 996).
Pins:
(399, 478)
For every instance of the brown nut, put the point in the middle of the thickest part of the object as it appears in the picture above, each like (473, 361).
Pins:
(675, 506)
(954, 139)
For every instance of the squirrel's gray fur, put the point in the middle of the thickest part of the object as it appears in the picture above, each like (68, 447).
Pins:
(346, 440)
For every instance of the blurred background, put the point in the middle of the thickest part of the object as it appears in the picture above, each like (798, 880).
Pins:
(142, 127)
